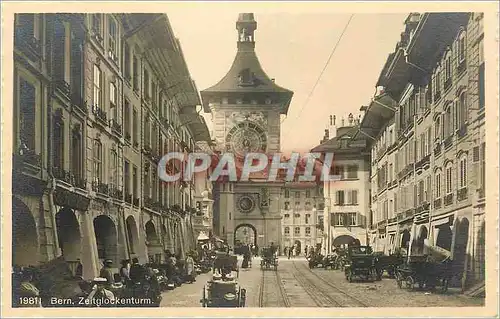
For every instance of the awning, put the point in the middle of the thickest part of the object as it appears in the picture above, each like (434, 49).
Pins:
(202, 236)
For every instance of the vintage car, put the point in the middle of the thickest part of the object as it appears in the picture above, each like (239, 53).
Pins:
(269, 259)
(360, 262)
(223, 290)
(387, 263)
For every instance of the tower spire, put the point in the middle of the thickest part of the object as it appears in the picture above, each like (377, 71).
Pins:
(246, 26)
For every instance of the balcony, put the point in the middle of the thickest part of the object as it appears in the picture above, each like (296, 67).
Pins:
(78, 102)
(116, 193)
(136, 202)
(128, 137)
(437, 96)
(462, 131)
(100, 188)
(30, 46)
(63, 175)
(80, 182)
(116, 127)
(462, 194)
(447, 84)
(461, 66)
(437, 149)
(128, 198)
(481, 193)
(448, 199)
(448, 142)
(63, 87)
(423, 163)
(100, 115)
(422, 208)
(437, 203)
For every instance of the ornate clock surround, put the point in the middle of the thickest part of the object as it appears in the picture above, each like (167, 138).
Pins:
(246, 137)
(246, 203)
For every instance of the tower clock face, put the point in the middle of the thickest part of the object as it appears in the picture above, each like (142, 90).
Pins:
(246, 137)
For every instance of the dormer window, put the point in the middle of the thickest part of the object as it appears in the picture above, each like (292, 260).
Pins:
(246, 78)
(246, 35)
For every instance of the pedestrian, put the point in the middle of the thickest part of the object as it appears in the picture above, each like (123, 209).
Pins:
(125, 271)
(137, 272)
(289, 252)
(190, 269)
(107, 272)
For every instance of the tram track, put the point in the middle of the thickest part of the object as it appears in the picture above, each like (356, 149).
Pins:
(339, 297)
(271, 278)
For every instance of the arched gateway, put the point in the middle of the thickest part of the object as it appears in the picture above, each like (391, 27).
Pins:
(245, 234)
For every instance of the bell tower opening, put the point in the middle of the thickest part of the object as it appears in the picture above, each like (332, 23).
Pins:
(246, 26)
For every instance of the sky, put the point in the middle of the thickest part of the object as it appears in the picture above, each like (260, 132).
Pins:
(293, 48)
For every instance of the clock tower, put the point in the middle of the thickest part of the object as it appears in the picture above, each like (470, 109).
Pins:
(246, 106)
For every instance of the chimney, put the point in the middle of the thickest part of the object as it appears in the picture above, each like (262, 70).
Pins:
(332, 128)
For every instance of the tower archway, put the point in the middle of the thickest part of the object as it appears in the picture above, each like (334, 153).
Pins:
(246, 234)
(133, 234)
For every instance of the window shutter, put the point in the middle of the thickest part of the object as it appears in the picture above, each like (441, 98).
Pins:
(355, 197)
(337, 198)
(349, 197)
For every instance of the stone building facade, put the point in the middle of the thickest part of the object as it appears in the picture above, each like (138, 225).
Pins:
(427, 157)
(301, 204)
(347, 197)
(98, 99)
(246, 106)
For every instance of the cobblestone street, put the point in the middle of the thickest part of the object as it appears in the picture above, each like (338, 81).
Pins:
(295, 285)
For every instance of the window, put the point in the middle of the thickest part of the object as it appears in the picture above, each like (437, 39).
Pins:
(428, 188)
(135, 75)
(27, 115)
(126, 61)
(287, 193)
(112, 101)
(481, 85)
(308, 194)
(429, 141)
(447, 68)
(296, 215)
(76, 153)
(296, 231)
(113, 170)
(287, 205)
(462, 112)
(352, 197)
(420, 194)
(59, 50)
(483, 168)
(423, 148)
(437, 182)
(147, 131)
(449, 176)
(437, 128)
(352, 218)
(297, 194)
(126, 177)
(297, 205)
(287, 231)
(97, 87)
(113, 36)
(135, 177)
(96, 24)
(97, 160)
(463, 172)
(339, 200)
(308, 231)
(135, 128)
(339, 219)
(461, 48)
(146, 187)
(352, 171)
(146, 85)
(449, 120)
(59, 139)
(338, 171)
(126, 119)
(287, 215)
(308, 217)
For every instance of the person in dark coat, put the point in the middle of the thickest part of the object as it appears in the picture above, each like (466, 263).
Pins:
(137, 271)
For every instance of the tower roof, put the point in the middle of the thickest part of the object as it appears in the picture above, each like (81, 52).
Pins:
(246, 74)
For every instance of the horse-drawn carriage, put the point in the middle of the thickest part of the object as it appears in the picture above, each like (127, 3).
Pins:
(388, 263)
(269, 259)
(360, 262)
(223, 289)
